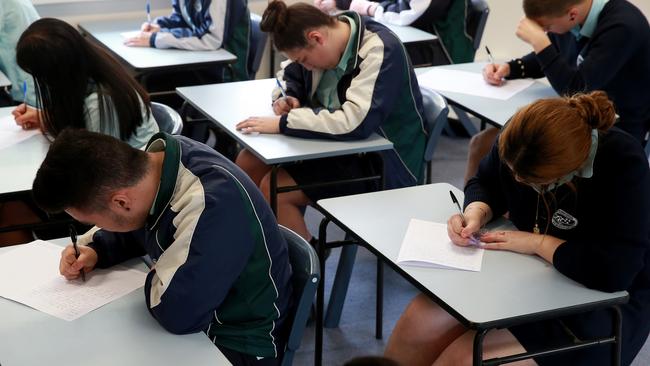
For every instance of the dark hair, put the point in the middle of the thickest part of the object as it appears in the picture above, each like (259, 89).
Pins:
(547, 8)
(288, 25)
(552, 137)
(82, 168)
(64, 65)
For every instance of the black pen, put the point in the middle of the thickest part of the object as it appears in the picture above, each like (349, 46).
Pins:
(489, 55)
(73, 236)
(460, 210)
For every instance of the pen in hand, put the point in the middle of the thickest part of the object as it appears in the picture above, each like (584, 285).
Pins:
(475, 239)
(490, 57)
(148, 8)
(284, 93)
(73, 236)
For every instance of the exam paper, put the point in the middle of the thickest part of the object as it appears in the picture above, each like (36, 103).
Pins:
(31, 276)
(130, 34)
(426, 244)
(470, 83)
(11, 133)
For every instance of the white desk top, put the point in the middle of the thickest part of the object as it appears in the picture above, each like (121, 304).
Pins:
(144, 59)
(408, 34)
(120, 333)
(230, 103)
(4, 80)
(493, 110)
(20, 162)
(509, 286)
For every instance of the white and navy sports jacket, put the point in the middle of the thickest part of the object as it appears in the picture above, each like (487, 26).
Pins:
(204, 25)
(221, 264)
(378, 93)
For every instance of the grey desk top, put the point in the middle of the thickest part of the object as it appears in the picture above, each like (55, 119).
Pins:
(120, 333)
(230, 103)
(408, 34)
(509, 288)
(20, 162)
(144, 59)
(4, 81)
(494, 111)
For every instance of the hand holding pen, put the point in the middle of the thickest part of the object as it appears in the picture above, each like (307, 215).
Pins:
(286, 103)
(463, 230)
(73, 237)
(494, 73)
(148, 26)
(25, 116)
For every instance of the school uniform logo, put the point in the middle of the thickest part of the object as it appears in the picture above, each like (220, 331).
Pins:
(563, 220)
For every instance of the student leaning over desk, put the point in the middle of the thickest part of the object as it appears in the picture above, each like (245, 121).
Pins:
(579, 192)
(347, 78)
(445, 18)
(79, 85)
(221, 265)
(15, 17)
(200, 25)
(581, 45)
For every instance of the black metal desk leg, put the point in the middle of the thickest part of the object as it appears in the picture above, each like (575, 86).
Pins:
(273, 194)
(379, 316)
(618, 329)
(477, 360)
(320, 294)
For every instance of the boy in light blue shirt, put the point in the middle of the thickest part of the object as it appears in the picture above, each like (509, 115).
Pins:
(15, 17)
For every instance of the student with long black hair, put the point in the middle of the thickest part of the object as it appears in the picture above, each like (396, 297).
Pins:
(79, 85)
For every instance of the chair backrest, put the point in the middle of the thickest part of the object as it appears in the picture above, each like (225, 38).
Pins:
(477, 14)
(305, 277)
(435, 114)
(257, 46)
(167, 118)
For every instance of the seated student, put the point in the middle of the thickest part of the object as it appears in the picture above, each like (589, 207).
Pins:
(348, 78)
(15, 16)
(80, 85)
(221, 263)
(576, 56)
(444, 18)
(201, 25)
(579, 191)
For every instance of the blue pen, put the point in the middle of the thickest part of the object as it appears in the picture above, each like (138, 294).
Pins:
(148, 8)
(284, 93)
(25, 92)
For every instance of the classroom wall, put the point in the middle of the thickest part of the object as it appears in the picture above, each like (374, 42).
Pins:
(499, 33)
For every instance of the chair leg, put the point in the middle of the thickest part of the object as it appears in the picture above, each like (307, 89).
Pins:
(464, 119)
(340, 286)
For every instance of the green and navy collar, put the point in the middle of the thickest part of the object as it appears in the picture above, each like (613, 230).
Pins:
(172, 148)
(355, 42)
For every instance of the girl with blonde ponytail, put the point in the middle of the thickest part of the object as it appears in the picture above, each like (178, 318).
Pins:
(578, 191)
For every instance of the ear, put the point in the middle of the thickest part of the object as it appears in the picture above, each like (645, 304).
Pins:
(573, 13)
(315, 36)
(120, 202)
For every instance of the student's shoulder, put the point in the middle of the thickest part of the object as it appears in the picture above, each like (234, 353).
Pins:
(625, 14)
(621, 152)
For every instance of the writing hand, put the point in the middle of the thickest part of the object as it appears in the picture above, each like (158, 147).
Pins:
(493, 74)
(71, 267)
(284, 105)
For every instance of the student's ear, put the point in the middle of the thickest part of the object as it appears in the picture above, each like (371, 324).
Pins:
(573, 13)
(120, 201)
(315, 36)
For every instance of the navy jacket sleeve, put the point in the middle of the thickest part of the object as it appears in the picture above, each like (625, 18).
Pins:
(525, 67)
(295, 84)
(113, 248)
(485, 185)
(612, 256)
(211, 247)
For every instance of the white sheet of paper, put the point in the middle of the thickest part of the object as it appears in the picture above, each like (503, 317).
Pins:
(31, 276)
(11, 133)
(471, 83)
(129, 35)
(426, 244)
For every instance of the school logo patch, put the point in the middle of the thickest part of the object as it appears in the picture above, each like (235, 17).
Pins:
(563, 220)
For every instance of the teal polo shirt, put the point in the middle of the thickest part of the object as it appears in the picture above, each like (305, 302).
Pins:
(587, 29)
(326, 92)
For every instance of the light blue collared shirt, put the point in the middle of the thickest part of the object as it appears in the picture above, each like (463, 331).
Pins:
(587, 29)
